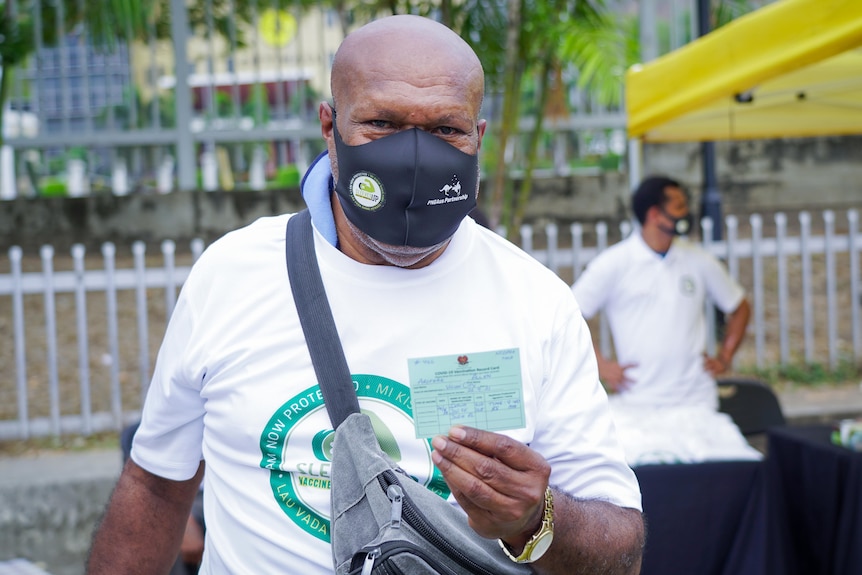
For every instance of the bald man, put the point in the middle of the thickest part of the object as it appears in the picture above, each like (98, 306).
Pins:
(408, 276)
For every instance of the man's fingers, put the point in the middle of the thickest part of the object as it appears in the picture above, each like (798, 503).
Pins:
(479, 488)
(496, 508)
(486, 464)
(512, 453)
(469, 465)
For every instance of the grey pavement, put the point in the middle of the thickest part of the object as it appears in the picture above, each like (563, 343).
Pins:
(49, 506)
(52, 467)
(51, 502)
(823, 404)
(21, 567)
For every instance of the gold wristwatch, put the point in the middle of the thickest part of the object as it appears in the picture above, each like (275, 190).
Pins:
(541, 539)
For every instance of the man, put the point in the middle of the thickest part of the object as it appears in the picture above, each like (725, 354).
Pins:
(407, 276)
(653, 287)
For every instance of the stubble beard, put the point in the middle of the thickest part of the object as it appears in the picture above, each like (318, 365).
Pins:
(399, 256)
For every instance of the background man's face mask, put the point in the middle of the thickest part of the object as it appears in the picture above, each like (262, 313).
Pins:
(680, 226)
(406, 189)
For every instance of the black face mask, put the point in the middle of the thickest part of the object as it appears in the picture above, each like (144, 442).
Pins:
(406, 189)
(681, 226)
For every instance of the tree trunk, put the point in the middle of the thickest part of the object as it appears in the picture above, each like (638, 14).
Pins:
(533, 143)
(4, 92)
(501, 190)
(446, 15)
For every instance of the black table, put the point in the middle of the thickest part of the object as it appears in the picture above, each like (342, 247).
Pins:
(704, 518)
(814, 494)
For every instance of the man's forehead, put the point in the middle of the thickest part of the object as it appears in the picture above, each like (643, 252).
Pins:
(421, 48)
(406, 101)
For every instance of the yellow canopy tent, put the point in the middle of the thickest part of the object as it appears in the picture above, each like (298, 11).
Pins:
(790, 69)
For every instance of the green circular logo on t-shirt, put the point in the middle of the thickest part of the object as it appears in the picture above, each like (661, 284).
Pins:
(296, 446)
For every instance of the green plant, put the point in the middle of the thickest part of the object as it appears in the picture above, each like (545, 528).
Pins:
(52, 188)
(77, 153)
(256, 105)
(610, 162)
(287, 176)
(805, 373)
(589, 162)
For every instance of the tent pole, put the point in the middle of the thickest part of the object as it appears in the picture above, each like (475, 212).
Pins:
(710, 201)
(635, 163)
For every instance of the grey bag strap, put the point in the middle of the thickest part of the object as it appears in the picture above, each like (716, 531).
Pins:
(315, 316)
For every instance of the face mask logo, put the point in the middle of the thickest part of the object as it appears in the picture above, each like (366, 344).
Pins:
(366, 191)
(680, 226)
(453, 187)
(451, 193)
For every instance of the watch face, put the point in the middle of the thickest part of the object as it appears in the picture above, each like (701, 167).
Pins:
(542, 543)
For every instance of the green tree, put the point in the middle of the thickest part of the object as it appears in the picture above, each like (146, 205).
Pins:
(16, 44)
(543, 37)
(107, 22)
(535, 34)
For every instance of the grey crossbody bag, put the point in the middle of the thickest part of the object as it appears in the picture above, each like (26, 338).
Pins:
(383, 522)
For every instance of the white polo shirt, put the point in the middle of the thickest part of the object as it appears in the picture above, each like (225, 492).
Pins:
(655, 308)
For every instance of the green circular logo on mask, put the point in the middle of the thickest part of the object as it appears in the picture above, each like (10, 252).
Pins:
(366, 191)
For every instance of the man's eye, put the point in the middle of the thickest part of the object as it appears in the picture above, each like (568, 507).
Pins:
(447, 131)
(379, 123)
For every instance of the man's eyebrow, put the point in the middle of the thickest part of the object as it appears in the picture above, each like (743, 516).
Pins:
(456, 118)
(400, 117)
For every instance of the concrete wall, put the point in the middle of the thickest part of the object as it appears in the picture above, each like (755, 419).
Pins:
(92, 220)
(50, 505)
(769, 175)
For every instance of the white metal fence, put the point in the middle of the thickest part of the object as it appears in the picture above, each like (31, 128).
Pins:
(77, 345)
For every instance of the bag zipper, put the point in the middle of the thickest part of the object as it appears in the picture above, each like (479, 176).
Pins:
(368, 564)
(417, 521)
(384, 551)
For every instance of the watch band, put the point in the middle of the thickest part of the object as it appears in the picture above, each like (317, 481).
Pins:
(541, 539)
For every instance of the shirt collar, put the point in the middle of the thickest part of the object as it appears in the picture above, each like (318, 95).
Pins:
(315, 186)
(643, 251)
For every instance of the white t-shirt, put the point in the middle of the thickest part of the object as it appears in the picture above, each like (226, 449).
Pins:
(234, 383)
(655, 308)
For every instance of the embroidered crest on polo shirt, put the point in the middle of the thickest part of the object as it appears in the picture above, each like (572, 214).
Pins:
(686, 285)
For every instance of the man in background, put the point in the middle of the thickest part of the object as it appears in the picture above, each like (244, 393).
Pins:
(653, 288)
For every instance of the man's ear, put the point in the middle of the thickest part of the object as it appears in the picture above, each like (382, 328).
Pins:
(480, 126)
(324, 112)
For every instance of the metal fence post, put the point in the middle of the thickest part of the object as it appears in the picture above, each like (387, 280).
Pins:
(78, 252)
(47, 255)
(109, 253)
(781, 262)
(757, 278)
(139, 249)
(853, 248)
(831, 310)
(807, 305)
(604, 328)
(15, 256)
